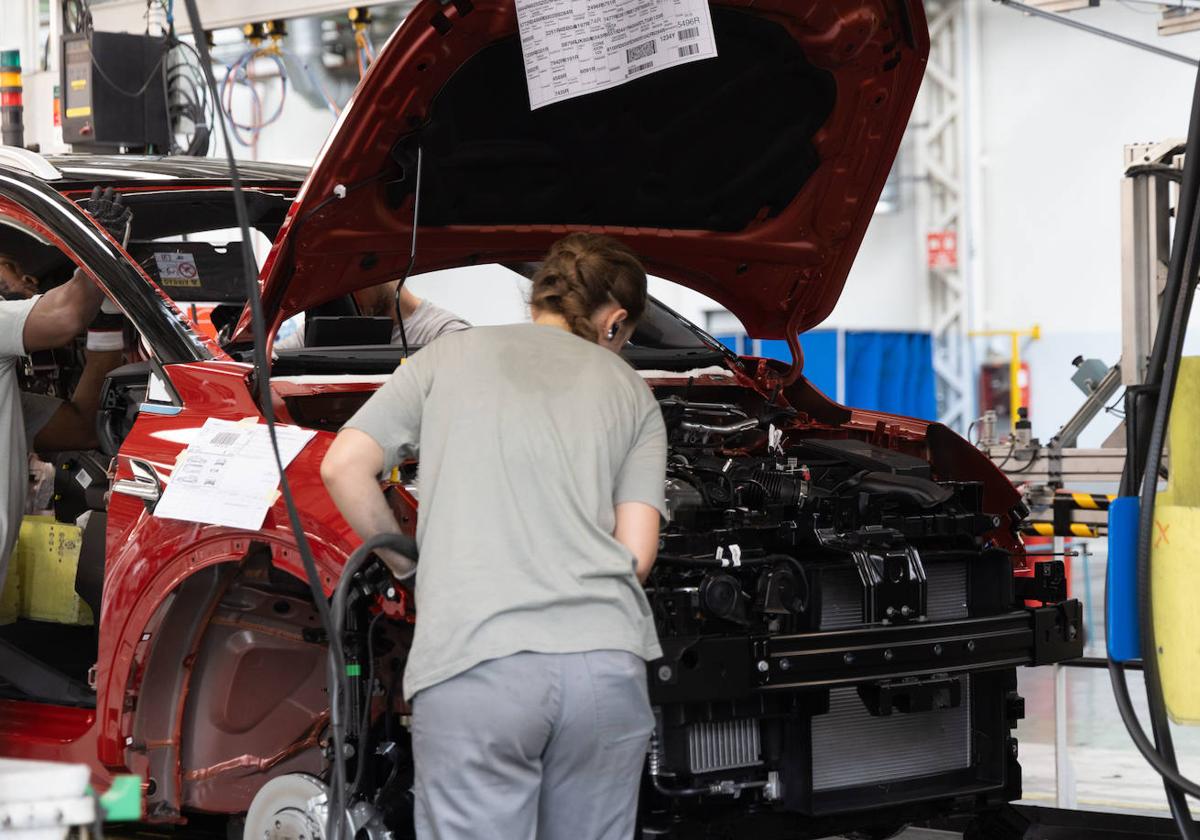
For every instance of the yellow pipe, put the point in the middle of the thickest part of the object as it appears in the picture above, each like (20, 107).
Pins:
(1014, 363)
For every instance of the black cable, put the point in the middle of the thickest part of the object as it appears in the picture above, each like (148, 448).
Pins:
(364, 720)
(412, 253)
(1162, 372)
(86, 23)
(262, 375)
(359, 558)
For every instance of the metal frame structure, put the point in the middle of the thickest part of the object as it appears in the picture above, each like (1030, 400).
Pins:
(1145, 248)
(1148, 194)
(940, 166)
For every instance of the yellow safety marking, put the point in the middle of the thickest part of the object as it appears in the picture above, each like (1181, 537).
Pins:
(78, 84)
(81, 111)
(1077, 529)
(1085, 500)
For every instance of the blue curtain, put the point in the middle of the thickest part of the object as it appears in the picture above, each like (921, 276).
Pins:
(820, 358)
(892, 372)
(885, 371)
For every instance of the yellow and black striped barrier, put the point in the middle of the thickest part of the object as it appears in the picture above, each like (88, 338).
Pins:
(1063, 512)
(1085, 501)
(1070, 529)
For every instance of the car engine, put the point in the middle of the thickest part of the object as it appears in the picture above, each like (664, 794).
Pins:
(780, 544)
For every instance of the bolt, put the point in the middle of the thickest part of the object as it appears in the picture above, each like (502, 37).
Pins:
(890, 611)
(906, 611)
(763, 666)
(391, 593)
(971, 645)
(848, 658)
(937, 650)
(1072, 632)
(785, 664)
(664, 673)
(128, 740)
(888, 655)
(339, 191)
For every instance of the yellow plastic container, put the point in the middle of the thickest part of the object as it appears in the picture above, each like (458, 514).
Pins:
(41, 575)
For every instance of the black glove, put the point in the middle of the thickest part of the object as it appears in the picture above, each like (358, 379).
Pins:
(107, 208)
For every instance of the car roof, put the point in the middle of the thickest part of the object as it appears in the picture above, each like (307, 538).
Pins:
(85, 171)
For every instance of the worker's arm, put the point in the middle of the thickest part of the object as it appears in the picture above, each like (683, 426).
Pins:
(62, 313)
(637, 530)
(350, 471)
(73, 426)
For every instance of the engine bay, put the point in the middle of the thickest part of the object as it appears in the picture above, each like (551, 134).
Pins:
(786, 545)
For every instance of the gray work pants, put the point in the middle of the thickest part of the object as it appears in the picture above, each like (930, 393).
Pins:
(533, 746)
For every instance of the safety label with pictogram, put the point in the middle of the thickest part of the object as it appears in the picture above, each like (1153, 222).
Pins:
(176, 268)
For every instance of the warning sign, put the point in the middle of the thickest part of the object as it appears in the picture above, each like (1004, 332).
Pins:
(574, 47)
(941, 249)
(176, 268)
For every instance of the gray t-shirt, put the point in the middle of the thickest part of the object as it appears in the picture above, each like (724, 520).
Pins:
(21, 417)
(425, 324)
(528, 437)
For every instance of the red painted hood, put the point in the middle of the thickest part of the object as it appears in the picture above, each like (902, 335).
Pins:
(750, 177)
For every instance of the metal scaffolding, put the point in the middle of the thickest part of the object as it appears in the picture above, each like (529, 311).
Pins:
(940, 166)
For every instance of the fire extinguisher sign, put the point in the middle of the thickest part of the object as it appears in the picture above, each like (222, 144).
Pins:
(941, 249)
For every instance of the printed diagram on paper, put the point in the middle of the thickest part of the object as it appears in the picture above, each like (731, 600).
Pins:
(574, 47)
(227, 474)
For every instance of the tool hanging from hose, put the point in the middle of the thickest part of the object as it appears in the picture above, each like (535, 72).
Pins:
(1147, 412)
(331, 619)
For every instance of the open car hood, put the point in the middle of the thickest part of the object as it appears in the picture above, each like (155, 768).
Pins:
(749, 177)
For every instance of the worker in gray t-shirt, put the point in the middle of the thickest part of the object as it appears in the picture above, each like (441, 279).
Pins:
(542, 461)
(416, 321)
(43, 322)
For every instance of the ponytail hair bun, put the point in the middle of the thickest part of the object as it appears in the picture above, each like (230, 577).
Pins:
(583, 272)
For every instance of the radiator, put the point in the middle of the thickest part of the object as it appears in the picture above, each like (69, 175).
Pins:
(841, 598)
(946, 591)
(841, 595)
(850, 748)
(723, 746)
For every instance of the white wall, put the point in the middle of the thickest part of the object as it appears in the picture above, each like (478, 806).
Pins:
(1058, 106)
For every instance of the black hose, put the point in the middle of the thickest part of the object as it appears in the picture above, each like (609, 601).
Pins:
(262, 376)
(1163, 373)
(358, 559)
(364, 719)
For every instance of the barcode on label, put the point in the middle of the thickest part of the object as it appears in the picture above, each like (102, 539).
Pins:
(640, 51)
(688, 49)
(689, 33)
(638, 68)
(225, 438)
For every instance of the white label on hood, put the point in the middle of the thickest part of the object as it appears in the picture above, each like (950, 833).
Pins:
(573, 47)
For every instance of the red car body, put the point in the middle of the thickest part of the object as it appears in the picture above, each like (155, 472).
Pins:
(209, 678)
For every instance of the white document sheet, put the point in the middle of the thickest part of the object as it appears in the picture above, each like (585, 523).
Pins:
(574, 47)
(227, 474)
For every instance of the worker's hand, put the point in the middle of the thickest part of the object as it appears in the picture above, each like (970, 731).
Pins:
(107, 208)
(401, 567)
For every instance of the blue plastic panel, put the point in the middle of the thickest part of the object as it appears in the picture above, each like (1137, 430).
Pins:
(1122, 627)
(820, 358)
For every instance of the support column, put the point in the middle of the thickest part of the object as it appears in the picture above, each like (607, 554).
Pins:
(940, 174)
